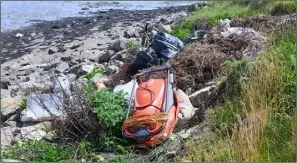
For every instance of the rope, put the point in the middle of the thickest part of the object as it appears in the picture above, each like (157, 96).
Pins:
(134, 121)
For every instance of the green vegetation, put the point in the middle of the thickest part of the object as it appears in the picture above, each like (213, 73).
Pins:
(206, 17)
(23, 104)
(259, 125)
(94, 72)
(284, 7)
(130, 44)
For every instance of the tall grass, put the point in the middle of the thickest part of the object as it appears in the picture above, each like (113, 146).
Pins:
(260, 125)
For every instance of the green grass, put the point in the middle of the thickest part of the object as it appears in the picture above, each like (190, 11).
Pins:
(259, 124)
(206, 17)
(284, 7)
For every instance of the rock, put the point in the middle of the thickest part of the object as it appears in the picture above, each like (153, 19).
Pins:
(34, 132)
(4, 93)
(119, 45)
(201, 96)
(199, 34)
(62, 85)
(116, 63)
(74, 69)
(71, 77)
(52, 50)
(4, 84)
(6, 135)
(191, 7)
(33, 34)
(106, 56)
(43, 107)
(225, 22)
(29, 87)
(121, 55)
(10, 106)
(86, 69)
(66, 59)
(76, 45)
(130, 32)
(10, 160)
(98, 78)
(63, 66)
(19, 35)
(164, 20)
(126, 88)
(164, 28)
(111, 70)
(10, 124)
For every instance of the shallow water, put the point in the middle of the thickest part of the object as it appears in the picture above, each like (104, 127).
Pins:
(16, 14)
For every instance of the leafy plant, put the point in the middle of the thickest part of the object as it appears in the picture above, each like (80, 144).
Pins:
(23, 104)
(94, 72)
(130, 44)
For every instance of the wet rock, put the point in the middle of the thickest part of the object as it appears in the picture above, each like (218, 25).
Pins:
(53, 50)
(43, 107)
(119, 45)
(112, 70)
(10, 106)
(26, 88)
(19, 35)
(106, 56)
(86, 69)
(164, 28)
(63, 66)
(201, 96)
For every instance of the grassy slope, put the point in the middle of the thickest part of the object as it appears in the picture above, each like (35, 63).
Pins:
(259, 125)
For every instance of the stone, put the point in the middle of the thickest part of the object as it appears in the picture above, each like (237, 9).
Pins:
(26, 88)
(43, 107)
(119, 45)
(112, 70)
(71, 77)
(4, 93)
(126, 88)
(199, 34)
(201, 96)
(4, 84)
(116, 63)
(74, 69)
(33, 34)
(191, 7)
(34, 132)
(106, 56)
(10, 124)
(121, 55)
(76, 45)
(19, 35)
(86, 69)
(130, 32)
(61, 67)
(10, 106)
(53, 50)
(10, 160)
(61, 84)
(164, 28)
(7, 135)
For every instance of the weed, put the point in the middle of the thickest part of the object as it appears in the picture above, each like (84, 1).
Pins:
(23, 104)
(283, 7)
(130, 44)
(94, 72)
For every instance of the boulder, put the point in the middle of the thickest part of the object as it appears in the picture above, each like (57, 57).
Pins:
(29, 87)
(86, 69)
(10, 106)
(74, 69)
(121, 55)
(43, 107)
(164, 28)
(119, 45)
(126, 88)
(112, 70)
(106, 56)
(53, 50)
(71, 77)
(63, 66)
(201, 96)
(130, 32)
(11, 124)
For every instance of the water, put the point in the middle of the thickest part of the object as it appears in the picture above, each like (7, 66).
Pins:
(16, 14)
